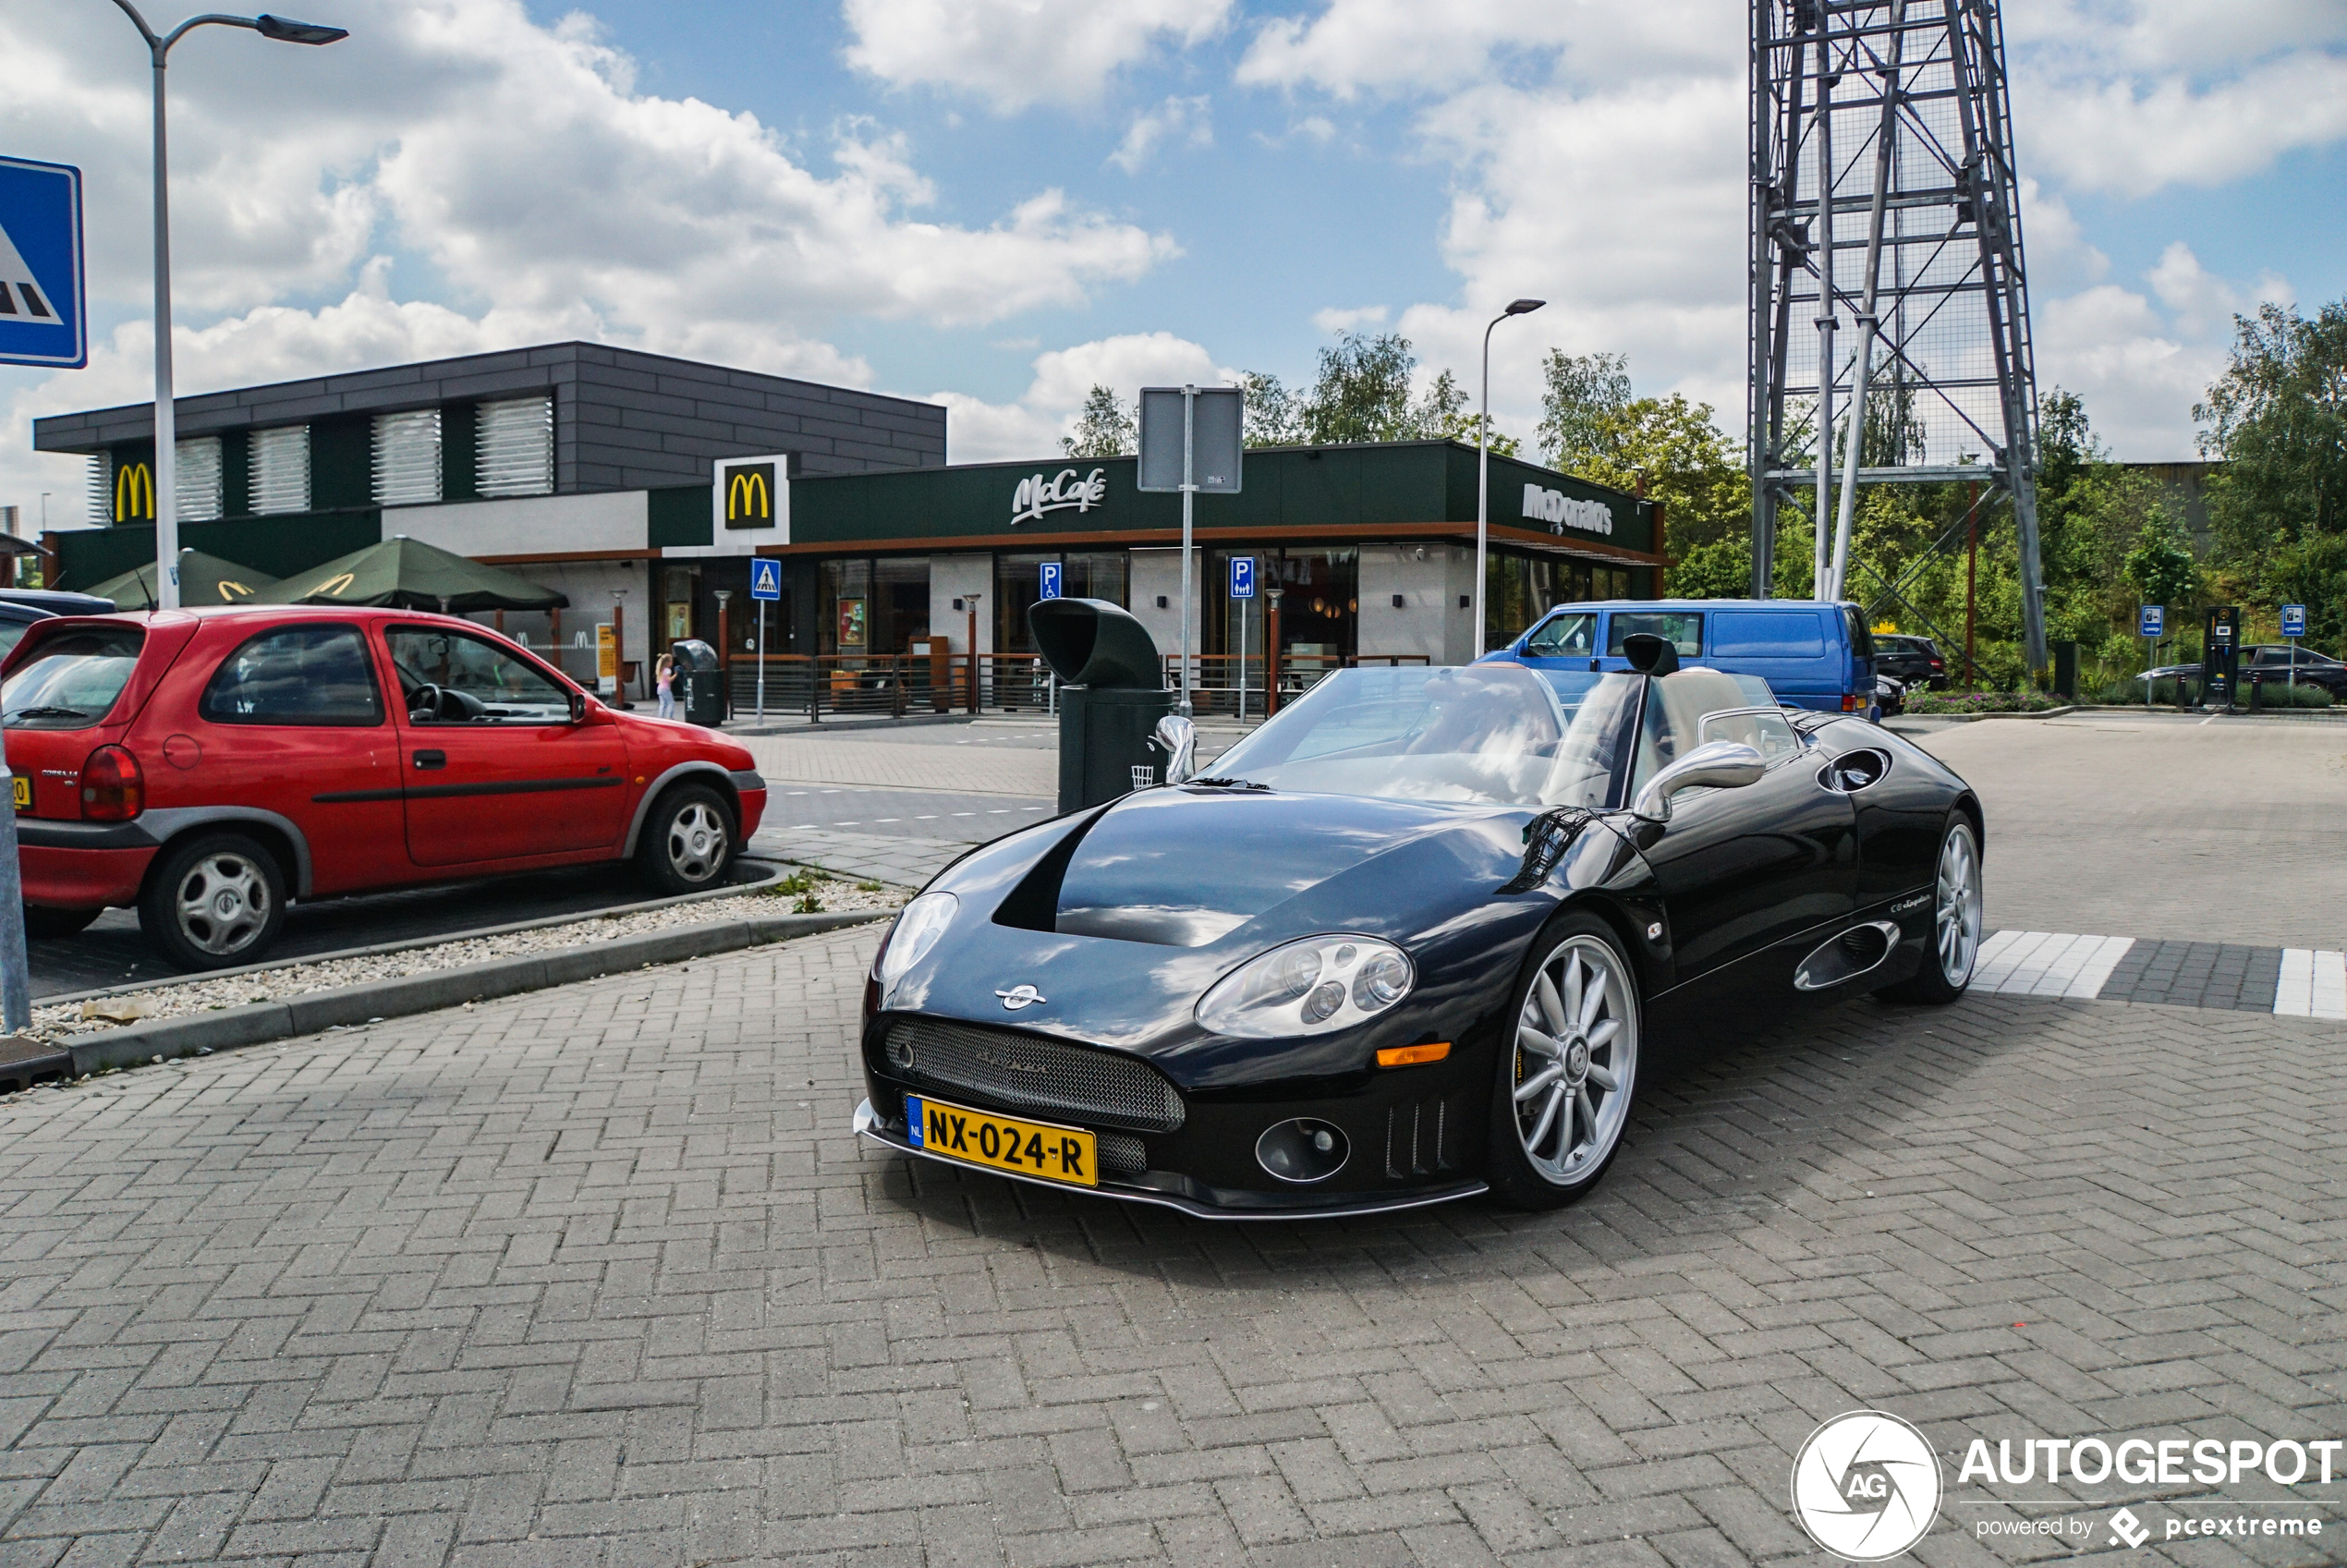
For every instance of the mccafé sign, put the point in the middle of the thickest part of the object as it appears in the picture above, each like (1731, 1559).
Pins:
(1037, 495)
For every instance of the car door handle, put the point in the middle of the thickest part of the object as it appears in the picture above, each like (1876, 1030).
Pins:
(431, 759)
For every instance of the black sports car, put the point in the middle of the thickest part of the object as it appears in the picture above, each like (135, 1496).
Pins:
(1405, 944)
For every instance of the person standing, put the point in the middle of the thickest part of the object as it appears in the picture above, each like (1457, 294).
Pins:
(665, 676)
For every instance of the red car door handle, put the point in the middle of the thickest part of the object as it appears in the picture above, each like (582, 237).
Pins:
(431, 759)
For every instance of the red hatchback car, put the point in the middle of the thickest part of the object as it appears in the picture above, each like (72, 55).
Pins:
(208, 766)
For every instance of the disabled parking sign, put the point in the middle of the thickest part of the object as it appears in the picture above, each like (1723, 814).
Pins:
(42, 320)
(765, 577)
(1048, 587)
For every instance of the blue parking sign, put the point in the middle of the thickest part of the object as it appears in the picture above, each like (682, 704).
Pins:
(42, 320)
(1241, 577)
(2151, 620)
(2293, 620)
(765, 577)
(1050, 588)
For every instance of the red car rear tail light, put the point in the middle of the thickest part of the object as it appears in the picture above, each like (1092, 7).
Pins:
(113, 788)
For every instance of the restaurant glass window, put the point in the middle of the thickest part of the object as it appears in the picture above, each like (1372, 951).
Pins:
(1018, 582)
(1321, 615)
(899, 603)
(1519, 590)
(676, 604)
(843, 595)
(1098, 575)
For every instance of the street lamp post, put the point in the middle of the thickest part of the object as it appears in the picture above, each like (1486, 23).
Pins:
(167, 495)
(1483, 462)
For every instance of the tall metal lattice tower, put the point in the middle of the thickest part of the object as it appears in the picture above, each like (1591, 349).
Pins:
(1887, 293)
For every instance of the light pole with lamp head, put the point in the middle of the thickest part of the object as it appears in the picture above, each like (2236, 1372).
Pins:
(1483, 462)
(167, 497)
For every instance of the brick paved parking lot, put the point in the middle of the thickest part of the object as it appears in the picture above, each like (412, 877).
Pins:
(597, 1276)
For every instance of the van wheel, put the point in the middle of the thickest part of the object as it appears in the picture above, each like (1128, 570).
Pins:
(687, 844)
(44, 924)
(213, 902)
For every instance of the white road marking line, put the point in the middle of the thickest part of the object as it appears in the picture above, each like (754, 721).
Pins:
(2061, 964)
(883, 818)
(2314, 984)
(964, 813)
(931, 817)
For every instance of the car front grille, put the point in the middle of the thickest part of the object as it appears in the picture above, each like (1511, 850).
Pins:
(1078, 1082)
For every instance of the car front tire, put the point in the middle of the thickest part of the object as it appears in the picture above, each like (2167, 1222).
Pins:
(1564, 1081)
(1957, 906)
(688, 841)
(213, 902)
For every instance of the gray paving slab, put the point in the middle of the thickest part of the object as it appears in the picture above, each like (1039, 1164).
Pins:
(597, 1275)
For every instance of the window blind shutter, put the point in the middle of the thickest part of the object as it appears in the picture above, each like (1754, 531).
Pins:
(516, 448)
(101, 489)
(194, 479)
(407, 458)
(280, 474)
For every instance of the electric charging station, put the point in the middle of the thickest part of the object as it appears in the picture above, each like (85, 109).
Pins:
(2221, 656)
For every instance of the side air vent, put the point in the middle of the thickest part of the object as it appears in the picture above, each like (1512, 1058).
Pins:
(1420, 1138)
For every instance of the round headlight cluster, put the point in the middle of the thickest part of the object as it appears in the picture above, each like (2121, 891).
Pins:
(1308, 987)
(916, 929)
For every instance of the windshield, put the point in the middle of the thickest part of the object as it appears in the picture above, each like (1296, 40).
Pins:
(72, 679)
(1485, 734)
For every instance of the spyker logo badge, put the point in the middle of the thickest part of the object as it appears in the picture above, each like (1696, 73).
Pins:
(1020, 996)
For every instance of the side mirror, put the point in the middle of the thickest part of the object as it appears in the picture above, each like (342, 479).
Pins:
(577, 707)
(1721, 764)
(1178, 737)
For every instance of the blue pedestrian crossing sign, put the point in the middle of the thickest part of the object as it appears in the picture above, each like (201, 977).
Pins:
(2293, 620)
(1050, 586)
(1241, 577)
(765, 577)
(42, 320)
(2151, 620)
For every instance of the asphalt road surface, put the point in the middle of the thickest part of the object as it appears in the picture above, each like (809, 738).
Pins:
(901, 813)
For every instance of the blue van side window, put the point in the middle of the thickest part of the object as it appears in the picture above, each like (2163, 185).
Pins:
(1766, 634)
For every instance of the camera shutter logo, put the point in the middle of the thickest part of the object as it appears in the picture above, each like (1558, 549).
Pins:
(1866, 1486)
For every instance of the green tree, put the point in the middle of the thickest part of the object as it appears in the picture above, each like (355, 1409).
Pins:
(1104, 427)
(1363, 391)
(1681, 457)
(1274, 415)
(1581, 394)
(1442, 415)
(2161, 565)
(2278, 419)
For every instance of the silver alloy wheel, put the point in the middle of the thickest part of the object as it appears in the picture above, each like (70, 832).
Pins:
(697, 841)
(224, 903)
(1956, 924)
(1576, 1057)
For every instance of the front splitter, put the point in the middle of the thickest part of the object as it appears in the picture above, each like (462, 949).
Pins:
(868, 1124)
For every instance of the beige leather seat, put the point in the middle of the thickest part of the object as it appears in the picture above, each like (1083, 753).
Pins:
(1687, 696)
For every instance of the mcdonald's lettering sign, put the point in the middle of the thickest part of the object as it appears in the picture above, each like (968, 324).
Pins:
(134, 493)
(750, 496)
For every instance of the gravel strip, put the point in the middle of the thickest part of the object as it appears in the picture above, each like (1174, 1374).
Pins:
(816, 894)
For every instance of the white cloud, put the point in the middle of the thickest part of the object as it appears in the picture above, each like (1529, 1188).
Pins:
(1408, 46)
(2135, 137)
(1333, 320)
(1013, 54)
(1189, 119)
(978, 431)
(2141, 360)
(520, 181)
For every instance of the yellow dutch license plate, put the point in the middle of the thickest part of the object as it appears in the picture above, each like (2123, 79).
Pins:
(23, 791)
(1002, 1143)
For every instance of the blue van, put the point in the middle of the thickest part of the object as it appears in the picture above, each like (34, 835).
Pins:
(1812, 654)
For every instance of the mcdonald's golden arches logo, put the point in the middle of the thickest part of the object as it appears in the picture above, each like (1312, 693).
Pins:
(333, 587)
(134, 493)
(750, 496)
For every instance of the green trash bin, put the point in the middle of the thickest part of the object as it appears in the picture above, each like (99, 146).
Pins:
(701, 685)
(1112, 694)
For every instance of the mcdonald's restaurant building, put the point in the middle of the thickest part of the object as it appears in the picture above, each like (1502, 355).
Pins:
(640, 487)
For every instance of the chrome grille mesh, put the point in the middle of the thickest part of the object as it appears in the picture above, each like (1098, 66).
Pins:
(1074, 1081)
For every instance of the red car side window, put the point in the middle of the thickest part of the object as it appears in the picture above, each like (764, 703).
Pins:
(304, 673)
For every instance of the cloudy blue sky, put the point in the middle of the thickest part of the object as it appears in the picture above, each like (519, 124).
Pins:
(998, 203)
